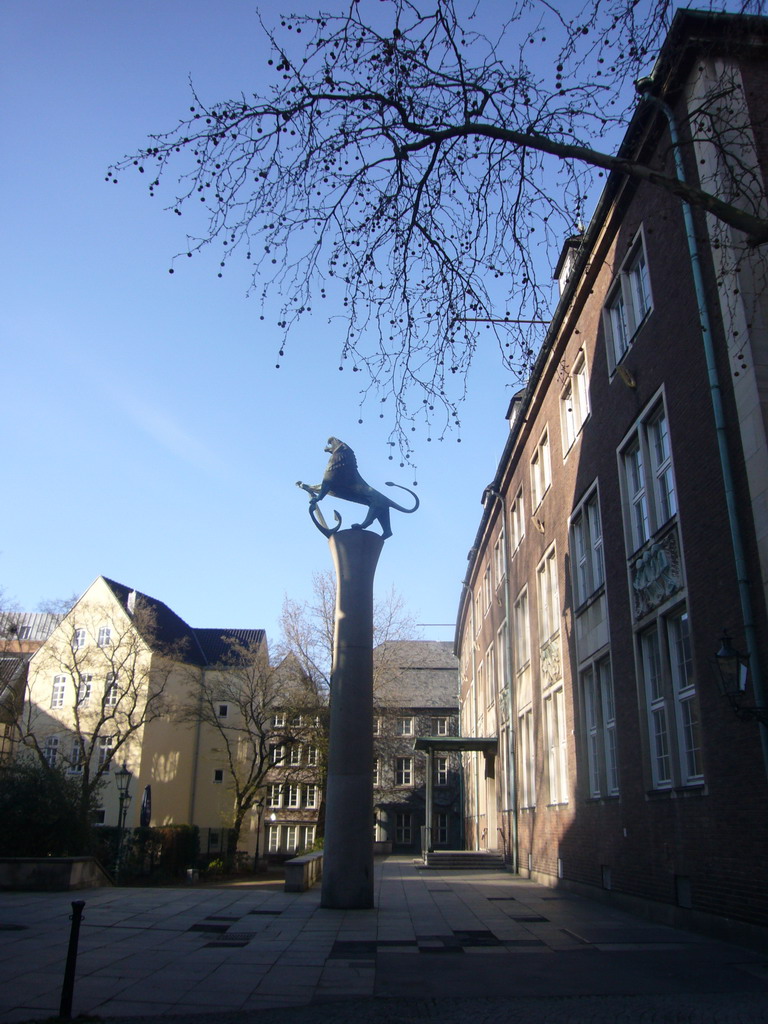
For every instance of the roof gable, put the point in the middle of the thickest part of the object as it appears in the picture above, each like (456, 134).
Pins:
(416, 674)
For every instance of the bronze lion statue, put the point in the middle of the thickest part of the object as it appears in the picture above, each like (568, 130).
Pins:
(342, 480)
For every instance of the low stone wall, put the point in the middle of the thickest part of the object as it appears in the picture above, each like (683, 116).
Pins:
(52, 874)
(301, 873)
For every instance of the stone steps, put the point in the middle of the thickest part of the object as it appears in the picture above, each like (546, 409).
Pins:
(465, 860)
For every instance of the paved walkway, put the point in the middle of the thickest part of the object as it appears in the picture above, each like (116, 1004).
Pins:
(453, 946)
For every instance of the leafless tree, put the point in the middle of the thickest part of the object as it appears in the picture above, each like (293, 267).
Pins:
(408, 165)
(249, 743)
(307, 627)
(98, 694)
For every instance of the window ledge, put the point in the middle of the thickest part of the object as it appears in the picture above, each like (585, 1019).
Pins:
(677, 792)
(592, 599)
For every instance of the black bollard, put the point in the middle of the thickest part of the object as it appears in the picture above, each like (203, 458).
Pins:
(67, 989)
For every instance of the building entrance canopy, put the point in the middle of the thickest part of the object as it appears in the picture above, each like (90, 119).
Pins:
(447, 744)
(430, 744)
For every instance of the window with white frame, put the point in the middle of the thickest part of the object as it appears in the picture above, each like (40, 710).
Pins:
(480, 688)
(403, 829)
(636, 494)
(587, 549)
(502, 647)
(404, 771)
(291, 834)
(628, 304)
(440, 726)
(522, 631)
(295, 754)
(51, 751)
(222, 710)
(663, 478)
(273, 839)
(278, 721)
(76, 757)
(58, 691)
(441, 828)
(277, 754)
(600, 728)
(111, 691)
(85, 689)
(377, 725)
(516, 522)
(549, 601)
(498, 561)
(522, 648)
(106, 748)
(648, 477)
(218, 775)
(490, 675)
(306, 836)
(78, 639)
(376, 771)
(684, 692)
(487, 588)
(666, 661)
(311, 755)
(310, 795)
(404, 727)
(527, 759)
(541, 471)
(556, 739)
(274, 796)
(104, 638)
(293, 796)
(574, 402)
(441, 770)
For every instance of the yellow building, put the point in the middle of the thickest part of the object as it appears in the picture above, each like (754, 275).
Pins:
(122, 680)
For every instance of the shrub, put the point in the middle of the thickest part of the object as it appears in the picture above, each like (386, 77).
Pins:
(41, 813)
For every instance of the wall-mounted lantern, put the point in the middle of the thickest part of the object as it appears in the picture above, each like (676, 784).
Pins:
(731, 673)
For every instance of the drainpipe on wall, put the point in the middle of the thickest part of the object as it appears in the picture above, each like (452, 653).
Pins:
(643, 87)
(511, 752)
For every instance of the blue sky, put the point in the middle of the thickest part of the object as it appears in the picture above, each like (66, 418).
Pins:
(148, 435)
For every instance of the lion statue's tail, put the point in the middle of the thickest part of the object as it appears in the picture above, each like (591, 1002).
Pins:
(400, 508)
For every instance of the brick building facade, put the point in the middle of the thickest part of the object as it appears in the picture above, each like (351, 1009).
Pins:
(613, 551)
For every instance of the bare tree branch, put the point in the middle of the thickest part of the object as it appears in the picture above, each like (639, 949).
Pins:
(412, 172)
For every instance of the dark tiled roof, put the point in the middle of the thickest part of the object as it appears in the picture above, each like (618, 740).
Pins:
(169, 630)
(216, 643)
(197, 646)
(417, 674)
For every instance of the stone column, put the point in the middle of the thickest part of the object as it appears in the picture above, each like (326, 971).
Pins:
(348, 852)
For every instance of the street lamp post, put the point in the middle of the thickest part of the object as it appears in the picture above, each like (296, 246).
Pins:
(259, 812)
(123, 780)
